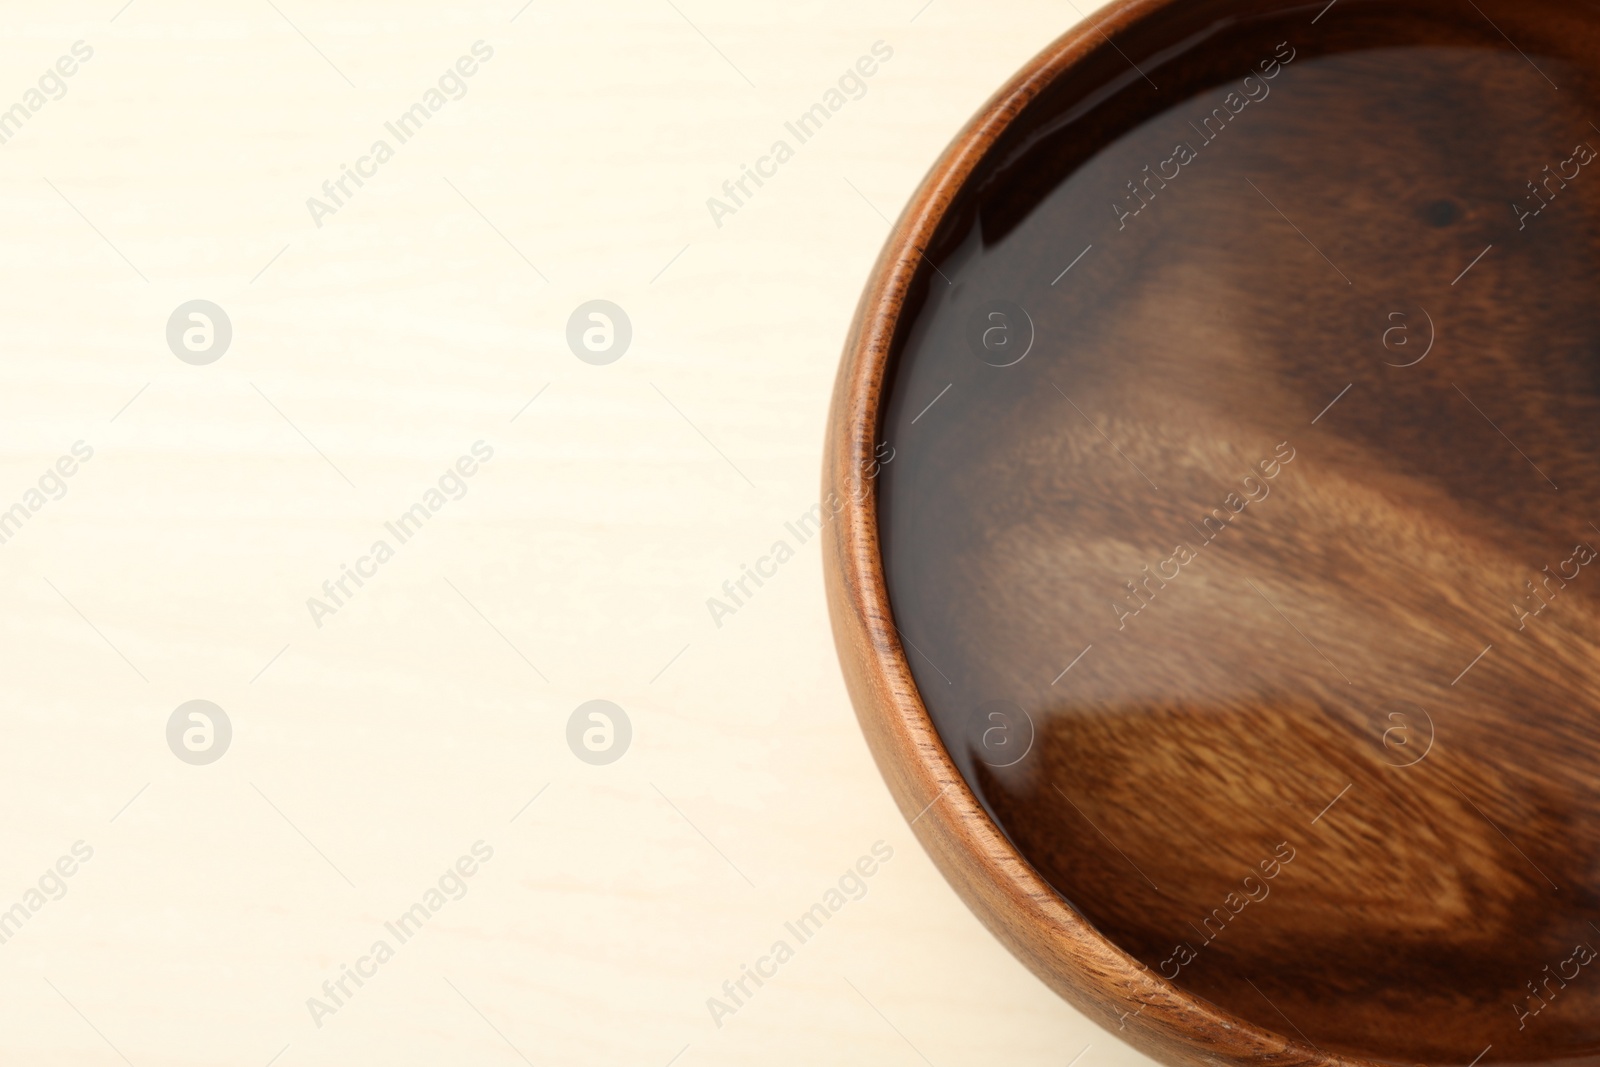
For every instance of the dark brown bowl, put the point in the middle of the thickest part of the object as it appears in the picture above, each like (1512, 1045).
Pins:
(1268, 556)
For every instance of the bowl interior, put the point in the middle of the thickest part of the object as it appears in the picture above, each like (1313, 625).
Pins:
(1241, 521)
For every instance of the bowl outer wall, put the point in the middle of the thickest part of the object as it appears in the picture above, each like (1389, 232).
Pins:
(1018, 906)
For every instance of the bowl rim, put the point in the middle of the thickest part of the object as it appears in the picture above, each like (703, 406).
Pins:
(1018, 905)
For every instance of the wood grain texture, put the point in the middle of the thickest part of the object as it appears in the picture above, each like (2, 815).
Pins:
(1397, 908)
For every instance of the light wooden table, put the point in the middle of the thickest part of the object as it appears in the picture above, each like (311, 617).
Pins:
(372, 345)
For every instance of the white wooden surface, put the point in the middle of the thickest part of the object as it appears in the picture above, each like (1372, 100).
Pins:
(419, 719)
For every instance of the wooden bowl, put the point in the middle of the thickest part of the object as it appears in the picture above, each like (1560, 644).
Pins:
(1214, 477)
